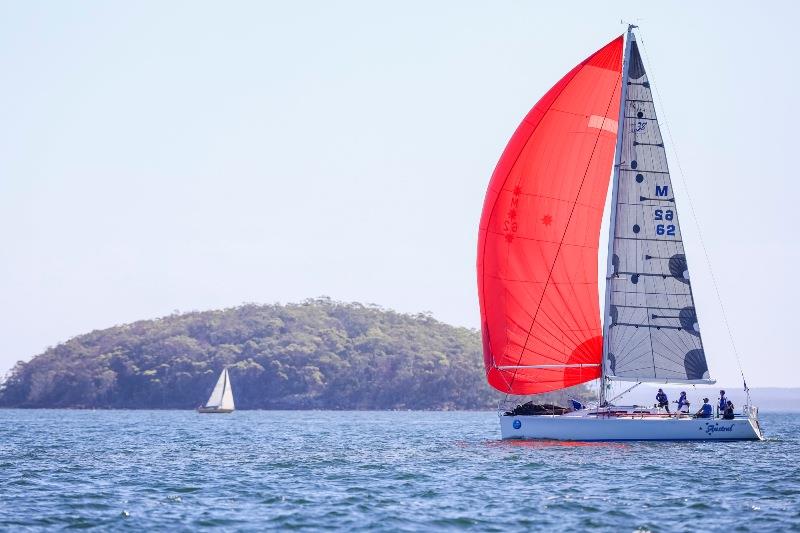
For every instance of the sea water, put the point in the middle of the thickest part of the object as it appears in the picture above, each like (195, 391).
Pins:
(391, 471)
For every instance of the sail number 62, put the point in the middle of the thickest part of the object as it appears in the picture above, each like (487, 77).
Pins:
(669, 230)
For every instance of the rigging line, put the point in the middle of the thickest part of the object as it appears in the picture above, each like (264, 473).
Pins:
(575, 340)
(585, 316)
(547, 197)
(651, 293)
(569, 335)
(522, 328)
(623, 393)
(522, 237)
(566, 227)
(696, 220)
(572, 286)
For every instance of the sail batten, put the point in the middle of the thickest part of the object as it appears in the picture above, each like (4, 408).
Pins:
(539, 233)
(666, 381)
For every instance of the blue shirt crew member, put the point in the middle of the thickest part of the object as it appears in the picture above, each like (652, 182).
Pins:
(683, 402)
(706, 410)
(662, 400)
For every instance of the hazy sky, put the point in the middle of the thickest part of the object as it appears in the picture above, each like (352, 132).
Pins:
(159, 156)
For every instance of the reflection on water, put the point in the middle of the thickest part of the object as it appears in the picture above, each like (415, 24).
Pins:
(531, 443)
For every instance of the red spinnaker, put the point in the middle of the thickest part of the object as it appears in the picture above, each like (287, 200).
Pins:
(539, 232)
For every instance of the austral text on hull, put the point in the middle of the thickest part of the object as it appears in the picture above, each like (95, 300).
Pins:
(538, 251)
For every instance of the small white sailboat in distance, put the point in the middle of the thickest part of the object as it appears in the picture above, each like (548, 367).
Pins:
(221, 399)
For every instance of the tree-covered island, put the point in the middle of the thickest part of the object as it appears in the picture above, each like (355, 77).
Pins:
(318, 354)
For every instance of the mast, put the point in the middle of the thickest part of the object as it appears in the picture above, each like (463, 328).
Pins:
(224, 386)
(613, 215)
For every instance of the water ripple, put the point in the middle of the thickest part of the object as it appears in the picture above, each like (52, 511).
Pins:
(391, 471)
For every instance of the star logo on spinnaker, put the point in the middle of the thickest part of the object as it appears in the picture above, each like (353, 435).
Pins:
(547, 220)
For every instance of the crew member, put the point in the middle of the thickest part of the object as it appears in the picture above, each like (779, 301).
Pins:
(662, 400)
(728, 413)
(705, 411)
(723, 402)
(683, 402)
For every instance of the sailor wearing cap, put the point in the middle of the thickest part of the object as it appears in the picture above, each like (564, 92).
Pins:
(662, 400)
(705, 411)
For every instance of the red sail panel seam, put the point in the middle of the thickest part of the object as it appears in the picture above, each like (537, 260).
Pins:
(566, 228)
(565, 83)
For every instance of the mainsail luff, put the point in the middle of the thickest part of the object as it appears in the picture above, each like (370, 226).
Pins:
(651, 331)
(613, 212)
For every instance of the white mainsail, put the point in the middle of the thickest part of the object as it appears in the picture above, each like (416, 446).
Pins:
(652, 333)
(222, 395)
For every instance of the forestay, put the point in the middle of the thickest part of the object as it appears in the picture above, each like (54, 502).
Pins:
(654, 333)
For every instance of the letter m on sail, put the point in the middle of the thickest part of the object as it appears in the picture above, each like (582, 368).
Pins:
(662, 191)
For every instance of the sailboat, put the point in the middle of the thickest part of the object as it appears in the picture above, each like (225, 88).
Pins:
(221, 399)
(538, 262)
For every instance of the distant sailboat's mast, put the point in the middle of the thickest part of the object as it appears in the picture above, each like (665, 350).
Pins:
(224, 386)
(613, 215)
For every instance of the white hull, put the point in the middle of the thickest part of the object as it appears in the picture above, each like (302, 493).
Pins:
(593, 428)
